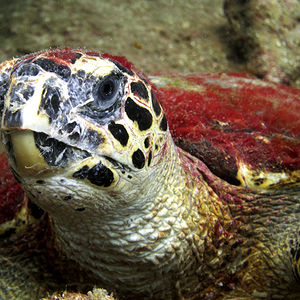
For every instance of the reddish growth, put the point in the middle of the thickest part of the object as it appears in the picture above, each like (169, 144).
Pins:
(11, 194)
(235, 117)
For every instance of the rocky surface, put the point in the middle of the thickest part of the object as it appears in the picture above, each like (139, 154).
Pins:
(266, 36)
(258, 36)
(158, 36)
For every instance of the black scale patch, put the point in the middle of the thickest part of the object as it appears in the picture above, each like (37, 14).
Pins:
(50, 66)
(138, 159)
(51, 102)
(139, 114)
(27, 69)
(163, 124)
(13, 119)
(155, 104)
(139, 89)
(122, 68)
(73, 60)
(119, 132)
(99, 175)
(146, 142)
(149, 158)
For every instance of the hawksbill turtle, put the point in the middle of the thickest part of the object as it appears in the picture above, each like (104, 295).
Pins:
(167, 187)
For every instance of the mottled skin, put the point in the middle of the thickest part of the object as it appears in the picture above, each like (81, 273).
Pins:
(90, 145)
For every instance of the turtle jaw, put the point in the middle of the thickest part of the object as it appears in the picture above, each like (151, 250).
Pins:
(31, 156)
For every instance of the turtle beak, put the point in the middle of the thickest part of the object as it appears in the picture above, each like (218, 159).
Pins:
(23, 154)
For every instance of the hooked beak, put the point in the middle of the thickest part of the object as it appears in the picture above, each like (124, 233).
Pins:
(23, 153)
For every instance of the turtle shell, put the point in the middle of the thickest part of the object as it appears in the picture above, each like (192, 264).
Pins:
(247, 131)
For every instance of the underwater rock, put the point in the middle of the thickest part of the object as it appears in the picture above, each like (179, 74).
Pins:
(265, 33)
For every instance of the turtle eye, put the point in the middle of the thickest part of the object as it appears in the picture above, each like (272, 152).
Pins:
(107, 92)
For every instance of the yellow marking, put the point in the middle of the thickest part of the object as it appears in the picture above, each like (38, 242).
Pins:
(90, 162)
(96, 65)
(264, 180)
(4, 67)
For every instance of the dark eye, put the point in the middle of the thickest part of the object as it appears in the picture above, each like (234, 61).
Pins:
(107, 92)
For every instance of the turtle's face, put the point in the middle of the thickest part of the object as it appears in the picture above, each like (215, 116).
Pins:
(79, 117)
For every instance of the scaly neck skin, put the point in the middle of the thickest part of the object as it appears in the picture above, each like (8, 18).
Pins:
(171, 234)
(153, 243)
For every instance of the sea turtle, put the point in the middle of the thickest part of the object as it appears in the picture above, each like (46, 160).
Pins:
(213, 215)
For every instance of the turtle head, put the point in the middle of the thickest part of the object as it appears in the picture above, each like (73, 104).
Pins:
(75, 124)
